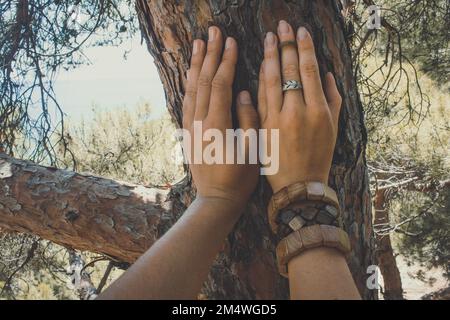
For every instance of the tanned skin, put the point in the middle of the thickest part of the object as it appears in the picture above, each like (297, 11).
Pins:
(308, 124)
(176, 266)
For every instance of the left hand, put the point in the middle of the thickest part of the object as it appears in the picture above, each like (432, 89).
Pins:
(307, 119)
(208, 99)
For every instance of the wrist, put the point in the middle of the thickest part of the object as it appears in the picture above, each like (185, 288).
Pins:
(278, 184)
(312, 198)
(325, 274)
(222, 204)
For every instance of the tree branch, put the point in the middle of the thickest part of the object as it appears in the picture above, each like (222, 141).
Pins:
(85, 212)
(105, 277)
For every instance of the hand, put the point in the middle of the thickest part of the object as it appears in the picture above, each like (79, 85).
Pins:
(307, 119)
(208, 99)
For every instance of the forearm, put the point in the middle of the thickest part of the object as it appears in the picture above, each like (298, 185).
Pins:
(321, 274)
(176, 266)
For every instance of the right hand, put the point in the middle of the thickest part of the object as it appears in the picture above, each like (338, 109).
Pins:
(307, 119)
(208, 99)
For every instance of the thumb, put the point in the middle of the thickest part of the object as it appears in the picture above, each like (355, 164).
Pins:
(246, 112)
(248, 121)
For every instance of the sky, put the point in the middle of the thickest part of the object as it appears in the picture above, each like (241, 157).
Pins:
(111, 81)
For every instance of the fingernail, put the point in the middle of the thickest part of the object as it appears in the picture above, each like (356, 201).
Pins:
(283, 27)
(301, 33)
(228, 43)
(244, 98)
(212, 33)
(270, 39)
(196, 47)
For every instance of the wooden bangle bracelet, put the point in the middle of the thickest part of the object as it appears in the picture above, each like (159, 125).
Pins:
(299, 191)
(307, 238)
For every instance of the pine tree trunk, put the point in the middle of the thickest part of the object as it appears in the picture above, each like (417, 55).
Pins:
(246, 266)
(384, 252)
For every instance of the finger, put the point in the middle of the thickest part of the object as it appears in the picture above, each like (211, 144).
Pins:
(221, 86)
(333, 97)
(289, 62)
(262, 103)
(190, 96)
(246, 112)
(248, 119)
(209, 68)
(272, 76)
(309, 70)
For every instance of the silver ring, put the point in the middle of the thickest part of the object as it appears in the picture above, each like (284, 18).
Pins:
(292, 85)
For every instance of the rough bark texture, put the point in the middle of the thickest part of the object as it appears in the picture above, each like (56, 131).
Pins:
(246, 268)
(85, 212)
(384, 252)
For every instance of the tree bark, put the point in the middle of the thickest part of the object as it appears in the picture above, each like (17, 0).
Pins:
(246, 268)
(80, 211)
(384, 252)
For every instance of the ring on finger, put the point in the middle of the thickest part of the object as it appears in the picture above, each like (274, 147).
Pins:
(287, 43)
(292, 85)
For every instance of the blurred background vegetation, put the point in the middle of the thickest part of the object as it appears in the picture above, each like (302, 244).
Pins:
(123, 144)
(402, 71)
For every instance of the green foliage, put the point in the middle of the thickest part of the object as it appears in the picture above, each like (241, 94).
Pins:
(412, 32)
(424, 29)
(426, 239)
(413, 156)
(42, 273)
(38, 38)
(31, 268)
(127, 145)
